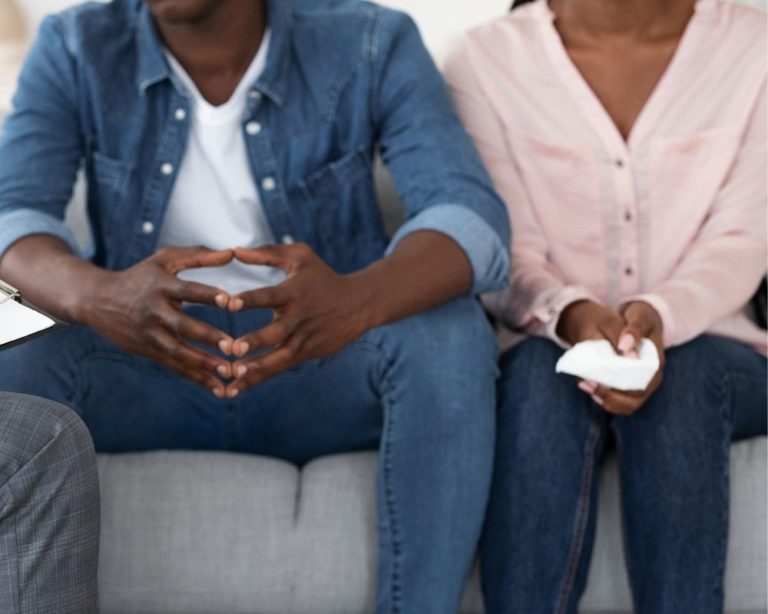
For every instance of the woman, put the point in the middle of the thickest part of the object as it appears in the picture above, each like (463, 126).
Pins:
(628, 140)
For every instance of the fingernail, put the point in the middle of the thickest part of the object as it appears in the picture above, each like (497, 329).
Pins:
(633, 354)
(233, 393)
(223, 371)
(218, 392)
(598, 400)
(225, 346)
(222, 300)
(241, 348)
(585, 387)
(236, 304)
(241, 370)
(626, 343)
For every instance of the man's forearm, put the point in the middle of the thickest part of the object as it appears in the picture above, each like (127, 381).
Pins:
(426, 269)
(50, 275)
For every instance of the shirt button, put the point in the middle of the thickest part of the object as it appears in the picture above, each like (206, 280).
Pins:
(180, 115)
(552, 312)
(253, 128)
(628, 271)
(268, 184)
(147, 228)
(628, 216)
(166, 169)
(288, 240)
(254, 95)
(619, 163)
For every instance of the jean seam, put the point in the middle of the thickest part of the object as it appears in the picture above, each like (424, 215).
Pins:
(625, 532)
(582, 518)
(727, 403)
(386, 468)
(391, 507)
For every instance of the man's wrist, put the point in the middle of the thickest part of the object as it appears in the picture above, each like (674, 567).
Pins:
(79, 299)
(368, 304)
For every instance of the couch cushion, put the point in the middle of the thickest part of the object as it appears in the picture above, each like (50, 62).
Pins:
(197, 532)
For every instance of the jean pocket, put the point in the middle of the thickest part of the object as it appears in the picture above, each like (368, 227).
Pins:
(109, 185)
(343, 200)
(563, 182)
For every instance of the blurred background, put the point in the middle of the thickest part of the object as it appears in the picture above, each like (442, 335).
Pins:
(440, 22)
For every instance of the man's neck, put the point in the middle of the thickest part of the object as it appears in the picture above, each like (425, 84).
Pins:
(636, 19)
(222, 44)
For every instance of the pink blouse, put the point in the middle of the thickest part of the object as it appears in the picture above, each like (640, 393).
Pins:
(675, 215)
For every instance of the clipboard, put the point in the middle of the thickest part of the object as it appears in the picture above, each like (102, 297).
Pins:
(30, 320)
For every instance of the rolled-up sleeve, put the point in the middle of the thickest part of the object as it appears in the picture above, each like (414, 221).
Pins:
(41, 143)
(437, 171)
(481, 244)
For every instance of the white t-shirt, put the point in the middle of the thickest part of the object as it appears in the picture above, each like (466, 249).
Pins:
(215, 202)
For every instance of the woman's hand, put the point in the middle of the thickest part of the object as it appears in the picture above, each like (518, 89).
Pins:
(640, 321)
(587, 320)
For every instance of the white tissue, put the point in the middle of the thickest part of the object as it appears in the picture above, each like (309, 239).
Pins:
(597, 361)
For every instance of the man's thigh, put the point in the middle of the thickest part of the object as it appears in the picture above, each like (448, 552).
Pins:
(433, 366)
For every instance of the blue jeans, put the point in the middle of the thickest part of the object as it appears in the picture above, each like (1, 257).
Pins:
(422, 391)
(673, 462)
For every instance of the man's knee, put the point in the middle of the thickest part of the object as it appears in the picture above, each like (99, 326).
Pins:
(456, 333)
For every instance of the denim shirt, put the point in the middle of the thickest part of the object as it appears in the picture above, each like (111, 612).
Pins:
(343, 79)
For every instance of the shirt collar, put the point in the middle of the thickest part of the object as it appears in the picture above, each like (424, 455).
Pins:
(153, 68)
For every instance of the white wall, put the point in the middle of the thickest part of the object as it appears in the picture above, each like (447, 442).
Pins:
(440, 20)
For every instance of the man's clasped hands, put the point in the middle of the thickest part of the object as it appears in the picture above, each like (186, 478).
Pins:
(140, 310)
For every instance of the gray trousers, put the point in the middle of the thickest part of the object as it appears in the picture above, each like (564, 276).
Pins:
(49, 509)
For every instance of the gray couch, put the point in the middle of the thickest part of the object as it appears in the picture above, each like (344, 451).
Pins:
(202, 533)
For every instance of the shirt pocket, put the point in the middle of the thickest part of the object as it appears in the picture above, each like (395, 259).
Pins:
(342, 200)
(109, 187)
(686, 173)
(562, 181)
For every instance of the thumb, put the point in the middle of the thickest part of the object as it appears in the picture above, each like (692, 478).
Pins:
(629, 340)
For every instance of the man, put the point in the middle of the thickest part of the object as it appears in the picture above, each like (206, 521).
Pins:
(249, 128)
(49, 509)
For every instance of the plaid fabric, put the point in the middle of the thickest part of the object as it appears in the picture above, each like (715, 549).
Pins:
(49, 509)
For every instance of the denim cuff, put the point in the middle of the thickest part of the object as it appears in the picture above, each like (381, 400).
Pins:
(20, 223)
(480, 242)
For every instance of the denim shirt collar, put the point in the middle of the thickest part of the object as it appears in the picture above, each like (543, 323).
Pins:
(152, 67)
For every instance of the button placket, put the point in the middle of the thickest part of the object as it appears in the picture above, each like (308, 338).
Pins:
(158, 192)
(266, 173)
(628, 230)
